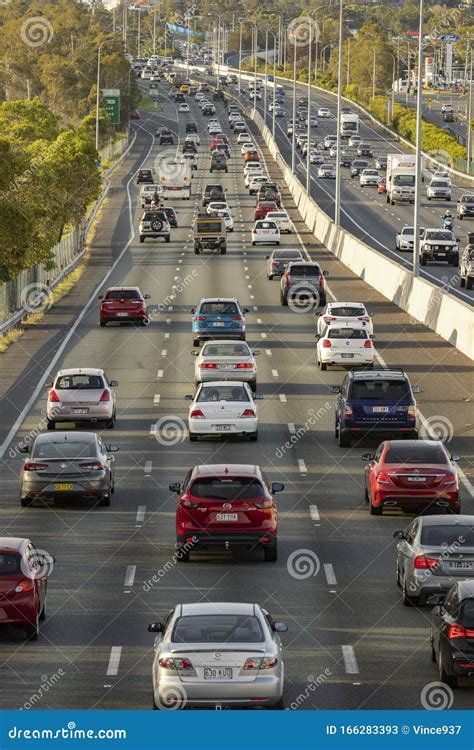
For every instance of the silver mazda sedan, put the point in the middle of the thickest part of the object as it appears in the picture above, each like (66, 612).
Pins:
(218, 655)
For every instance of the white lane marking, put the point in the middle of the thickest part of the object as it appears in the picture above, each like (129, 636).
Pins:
(282, 398)
(159, 374)
(291, 428)
(350, 661)
(314, 513)
(152, 429)
(130, 576)
(302, 466)
(72, 331)
(330, 575)
(275, 373)
(259, 320)
(268, 352)
(168, 321)
(263, 335)
(254, 307)
(156, 398)
(148, 467)
(164, 352)
(140, 514)
(114, 661)
(167, 335)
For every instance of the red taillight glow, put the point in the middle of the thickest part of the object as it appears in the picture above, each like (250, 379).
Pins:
(92, 465)
(421, 562)
(207, 366)
(243, 366)
(53, 396)
(449, 479)
(236, 317)
(201, 317)
(197, 414)
(368, 344)
(105, 396)
(287, 280)
(459, 631)
(31, 466)
(328, 318)
(364, 319)
(267, 662)
(411, 411)
(383, 477)
(321, 281)
(348, 411)
(326, 344)
(248, 413)
(24, 585)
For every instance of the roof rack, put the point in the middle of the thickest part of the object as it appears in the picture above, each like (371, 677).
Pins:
(376, 369)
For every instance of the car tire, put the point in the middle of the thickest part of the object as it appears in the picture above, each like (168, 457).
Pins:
(423, 260)
(253, 436)
(253, 243)
(51, 424)
(25, 502)
(459, 217)
(277, 243)
(449, 680)
(223, 250)
(104, 501)
(366, 494)
(322, 365)
(102, 323)
(193, 437)
(432, 651)
(284, 300)
(42, 615)
(167, 238)
(110, 424)
(270, 277)
(32, 631)
(428, 197)
(253, 386)
(142, 239)
(344, 440)
(376, 510)
(408, 601)
(468, 283)
(271, 553)
(182, 554)
(462, 282)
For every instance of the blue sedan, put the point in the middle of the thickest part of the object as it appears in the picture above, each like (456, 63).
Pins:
(218, 318)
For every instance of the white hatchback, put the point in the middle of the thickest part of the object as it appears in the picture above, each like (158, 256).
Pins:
(265, 231)
(226, 360)
(183, 107)
(223, 408)
(257, 171)
(282, 220)
(243, 137)
(345, 313)
(324, 112)
(345, 345)
(256, 182)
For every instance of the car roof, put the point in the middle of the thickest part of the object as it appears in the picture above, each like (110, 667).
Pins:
(219, 299)
(213, 470)
(80, 371)
(413, 443)
(305, 263)
(378, 374)
(446, 520)
(221, 608)
(122, 289)
(345, 304)
(465, 589)
(217, 342)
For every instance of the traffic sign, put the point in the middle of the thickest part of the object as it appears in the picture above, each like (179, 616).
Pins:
(111, 99)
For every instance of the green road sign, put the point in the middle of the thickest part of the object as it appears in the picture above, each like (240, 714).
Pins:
(153, 85)
(111, 99)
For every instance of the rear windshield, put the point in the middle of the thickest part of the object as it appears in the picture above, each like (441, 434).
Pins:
(230, 488)
(79, 382)
(347, 312)
(286, 254)
(226, 350)
(265, 225)
(347, 333)
(223, 393)
(64, 449)
(125, 293)
(378, 390)
(9, 564)
(304, 271)
(466, 617)
(219, 308)
(421, 453)
(212, 227)
(214, 628)
(437, 536)
(155, 215)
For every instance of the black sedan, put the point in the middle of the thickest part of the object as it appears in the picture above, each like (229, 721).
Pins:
(145, 175)
(452, 633)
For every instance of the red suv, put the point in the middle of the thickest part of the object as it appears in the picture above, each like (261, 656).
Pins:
(411, 474)
(24, 574)
(226, 506)
(263, 207)
(122, 304)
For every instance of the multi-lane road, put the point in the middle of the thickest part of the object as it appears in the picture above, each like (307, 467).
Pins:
(351, 643)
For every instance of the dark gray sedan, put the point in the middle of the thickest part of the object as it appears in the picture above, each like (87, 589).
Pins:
(278, 261)
(65, 465)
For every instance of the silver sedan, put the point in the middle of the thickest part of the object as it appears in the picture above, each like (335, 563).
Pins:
(81, 395)
(218, 655)
(226, 360)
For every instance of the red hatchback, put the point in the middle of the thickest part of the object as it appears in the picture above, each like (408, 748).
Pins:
(123, 304)
(226, 506)
(411, 474)
(24, 574)
(263, 207)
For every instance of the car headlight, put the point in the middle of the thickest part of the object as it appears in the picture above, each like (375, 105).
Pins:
(462, 209)
(455, 247)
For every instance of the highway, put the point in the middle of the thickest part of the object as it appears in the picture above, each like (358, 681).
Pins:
(351, 644)
(364, 212)
(432, 103)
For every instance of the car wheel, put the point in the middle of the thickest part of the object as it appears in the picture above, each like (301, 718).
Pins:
(223, 250)
(270, 277)
(271, 553)
(344, 440)
(102, 323)
(32, 631)
(182, 554)
(449, 680)
(196, 342)
(468, 283)
(397, 576)
(376, 510)
(408, 601)
(104, 501)
(51, 424)
(254, 436)
(323, 365)
(253, 243)
(43, 613)
(253, 386)
(142, 239)
(111, 422)
(423, 260)
(280, 706)
(167, 238)
(454, 260)
(433, 653)
(25, 502)
(193, 437)
(366, 494)
(284, 300)
(459, 217)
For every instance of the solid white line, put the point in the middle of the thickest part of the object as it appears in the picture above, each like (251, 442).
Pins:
(130, 575)
(314, 513)
(291, 428)
(114, 661)
(156, 398)
(330, 575)
(350, 661)
(72, 331)
(148, 466)
(282, 398)
(302, 466)
(152, 429)
(259, 320)
(275, 373)
(140, 513)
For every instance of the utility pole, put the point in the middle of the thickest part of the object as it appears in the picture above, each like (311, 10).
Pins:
(337, 202)
(469, 117)
(293, 149)
(419, 165)
(374, 70)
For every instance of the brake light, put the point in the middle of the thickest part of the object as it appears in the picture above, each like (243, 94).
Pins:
(92, 465)
(31, 466)
(26, 584)
(368, 344)
(364, 319)
(105, 395)
(167, 663)
(328, 318)
(248, 413)
(208, 366)
(266, 503)
(243, 366)
(383, 477)
(421, 562)
(321, 281)
(348, 411)
(267, 662)
(326, 344)
(53, 396)
(450, 479)
(197, 414)
(187, 503)
(201, 317)
(411, 411)
(251, 664)
(287, 280)
(457, 631)
(236, 317)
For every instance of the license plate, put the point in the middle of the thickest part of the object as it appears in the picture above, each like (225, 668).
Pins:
(217, 673)
(380, 408)
(416, 479)
(80, 411)
(227, 516)
(441, 255)
(347, 356)
(122, 315)
(219, 324)
(222, 427)
(63, 487)
(457, 565)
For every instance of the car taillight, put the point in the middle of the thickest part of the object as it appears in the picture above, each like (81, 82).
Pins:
(328, 318)
(243, 366)
(26, 584)
(459, 631)
(421, 562)
(248, 413)
(411, 411)
(383, 477)
(266, 503)
(187, 503)
(368, 344)
(32, 466)
(167, 663)
(177, 663)
(348, 411)
(364, 319)
(237, 317)
(450, 479)
(321, 281)
(197, 414)
(53, 396)
(105, 395)
(92, 465)
(326, 344)
(258, 662)
(207, 366)
(287, 280)
(200, 317)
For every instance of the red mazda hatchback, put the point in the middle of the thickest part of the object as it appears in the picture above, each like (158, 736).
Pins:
(226, 506)
(24, 574)
(123, 304)
(411, 474)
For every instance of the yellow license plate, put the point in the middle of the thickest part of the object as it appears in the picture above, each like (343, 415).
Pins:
(63, 487)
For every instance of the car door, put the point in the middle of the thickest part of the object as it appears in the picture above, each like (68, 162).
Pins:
(407, 549)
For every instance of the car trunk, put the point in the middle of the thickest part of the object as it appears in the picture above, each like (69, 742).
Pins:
(429, 476)
(122, 307)
(227, 516)
(452, 562)
(230, 664)
(80, 398)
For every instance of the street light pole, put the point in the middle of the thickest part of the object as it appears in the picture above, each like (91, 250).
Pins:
(337, 202)
(266, 82)
(419, 166)
(240, 56)
(469, 118)
(308, 126)
(274, 85)
(218, 50)
(294, 110)
(255, 68)
(98, 97)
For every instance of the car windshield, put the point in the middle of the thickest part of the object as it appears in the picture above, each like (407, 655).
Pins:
(79, 382)
(9, 564)
(64, 449)
(304, 271)
(223, 393)
(439, 184)
(206, 227)
(467, 199)
(219, 308)
(439, 236)
(226, 350)
(379, 390)
(123, 293)
(228, 488)
(437, 536)
(359, 164)
(421, 453)
(215, 628)
(347, 312)
(346, 333)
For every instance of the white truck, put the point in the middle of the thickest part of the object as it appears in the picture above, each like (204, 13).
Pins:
(401, 169)
(349, 125)
(175, 178)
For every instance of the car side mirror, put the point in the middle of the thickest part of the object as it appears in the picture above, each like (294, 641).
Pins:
(267, 257)
(24, 449)
(112, 448)
(188, 397)
(192, 310)
(366, 457)
(113, 383)
(101, 296)
(455, 457)
(399, 535)
(155, 627)
(458, 239)
(280, 627)
(336, 389)
(370, 314)
(256, 353)
(194, 353)
(416, 389)
(277, 487)
(246, 310)
(174, 487)
(49, 385)
(325, 273)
